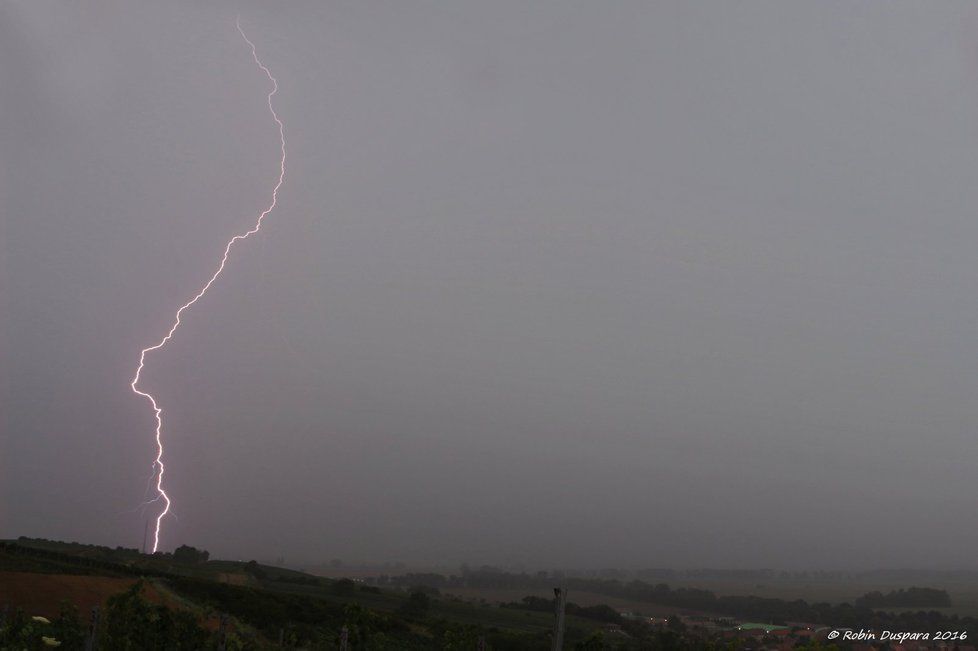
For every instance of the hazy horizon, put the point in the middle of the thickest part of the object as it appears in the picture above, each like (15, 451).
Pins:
(559, 284)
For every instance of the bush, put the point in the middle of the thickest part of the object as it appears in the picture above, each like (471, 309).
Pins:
(131, 622)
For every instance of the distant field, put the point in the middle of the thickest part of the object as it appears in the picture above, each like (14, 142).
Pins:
(964, 595)
(500, 595)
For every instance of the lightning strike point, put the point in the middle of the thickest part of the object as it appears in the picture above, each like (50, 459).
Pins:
(158, 466)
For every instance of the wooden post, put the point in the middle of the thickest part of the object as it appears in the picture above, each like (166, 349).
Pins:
(561, 601)
(344, 639)
(222, 634)
(92, 630)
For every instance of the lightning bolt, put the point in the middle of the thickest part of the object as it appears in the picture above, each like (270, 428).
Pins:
(158, 466)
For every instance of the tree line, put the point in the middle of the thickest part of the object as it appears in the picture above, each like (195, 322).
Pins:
(862, 613)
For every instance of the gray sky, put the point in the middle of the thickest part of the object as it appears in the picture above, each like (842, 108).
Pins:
(558, 283)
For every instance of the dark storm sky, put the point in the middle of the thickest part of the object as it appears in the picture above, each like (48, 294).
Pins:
(554, 283)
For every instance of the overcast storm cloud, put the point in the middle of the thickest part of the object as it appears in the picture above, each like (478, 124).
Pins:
(554, 284)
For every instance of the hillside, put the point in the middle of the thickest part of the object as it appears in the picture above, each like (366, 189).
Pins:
(264, 604)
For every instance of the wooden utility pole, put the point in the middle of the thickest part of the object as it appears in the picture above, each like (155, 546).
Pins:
(561, 601)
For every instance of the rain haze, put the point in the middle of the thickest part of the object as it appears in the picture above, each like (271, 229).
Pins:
(554, 284)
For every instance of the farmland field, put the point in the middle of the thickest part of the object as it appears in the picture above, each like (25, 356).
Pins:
(42, 594)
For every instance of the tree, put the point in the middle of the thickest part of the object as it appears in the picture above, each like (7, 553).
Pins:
(254, 569)
(190, 555)
(68, 628)
(360, 624)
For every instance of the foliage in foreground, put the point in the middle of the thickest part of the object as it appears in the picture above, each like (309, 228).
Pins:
(21, 631)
